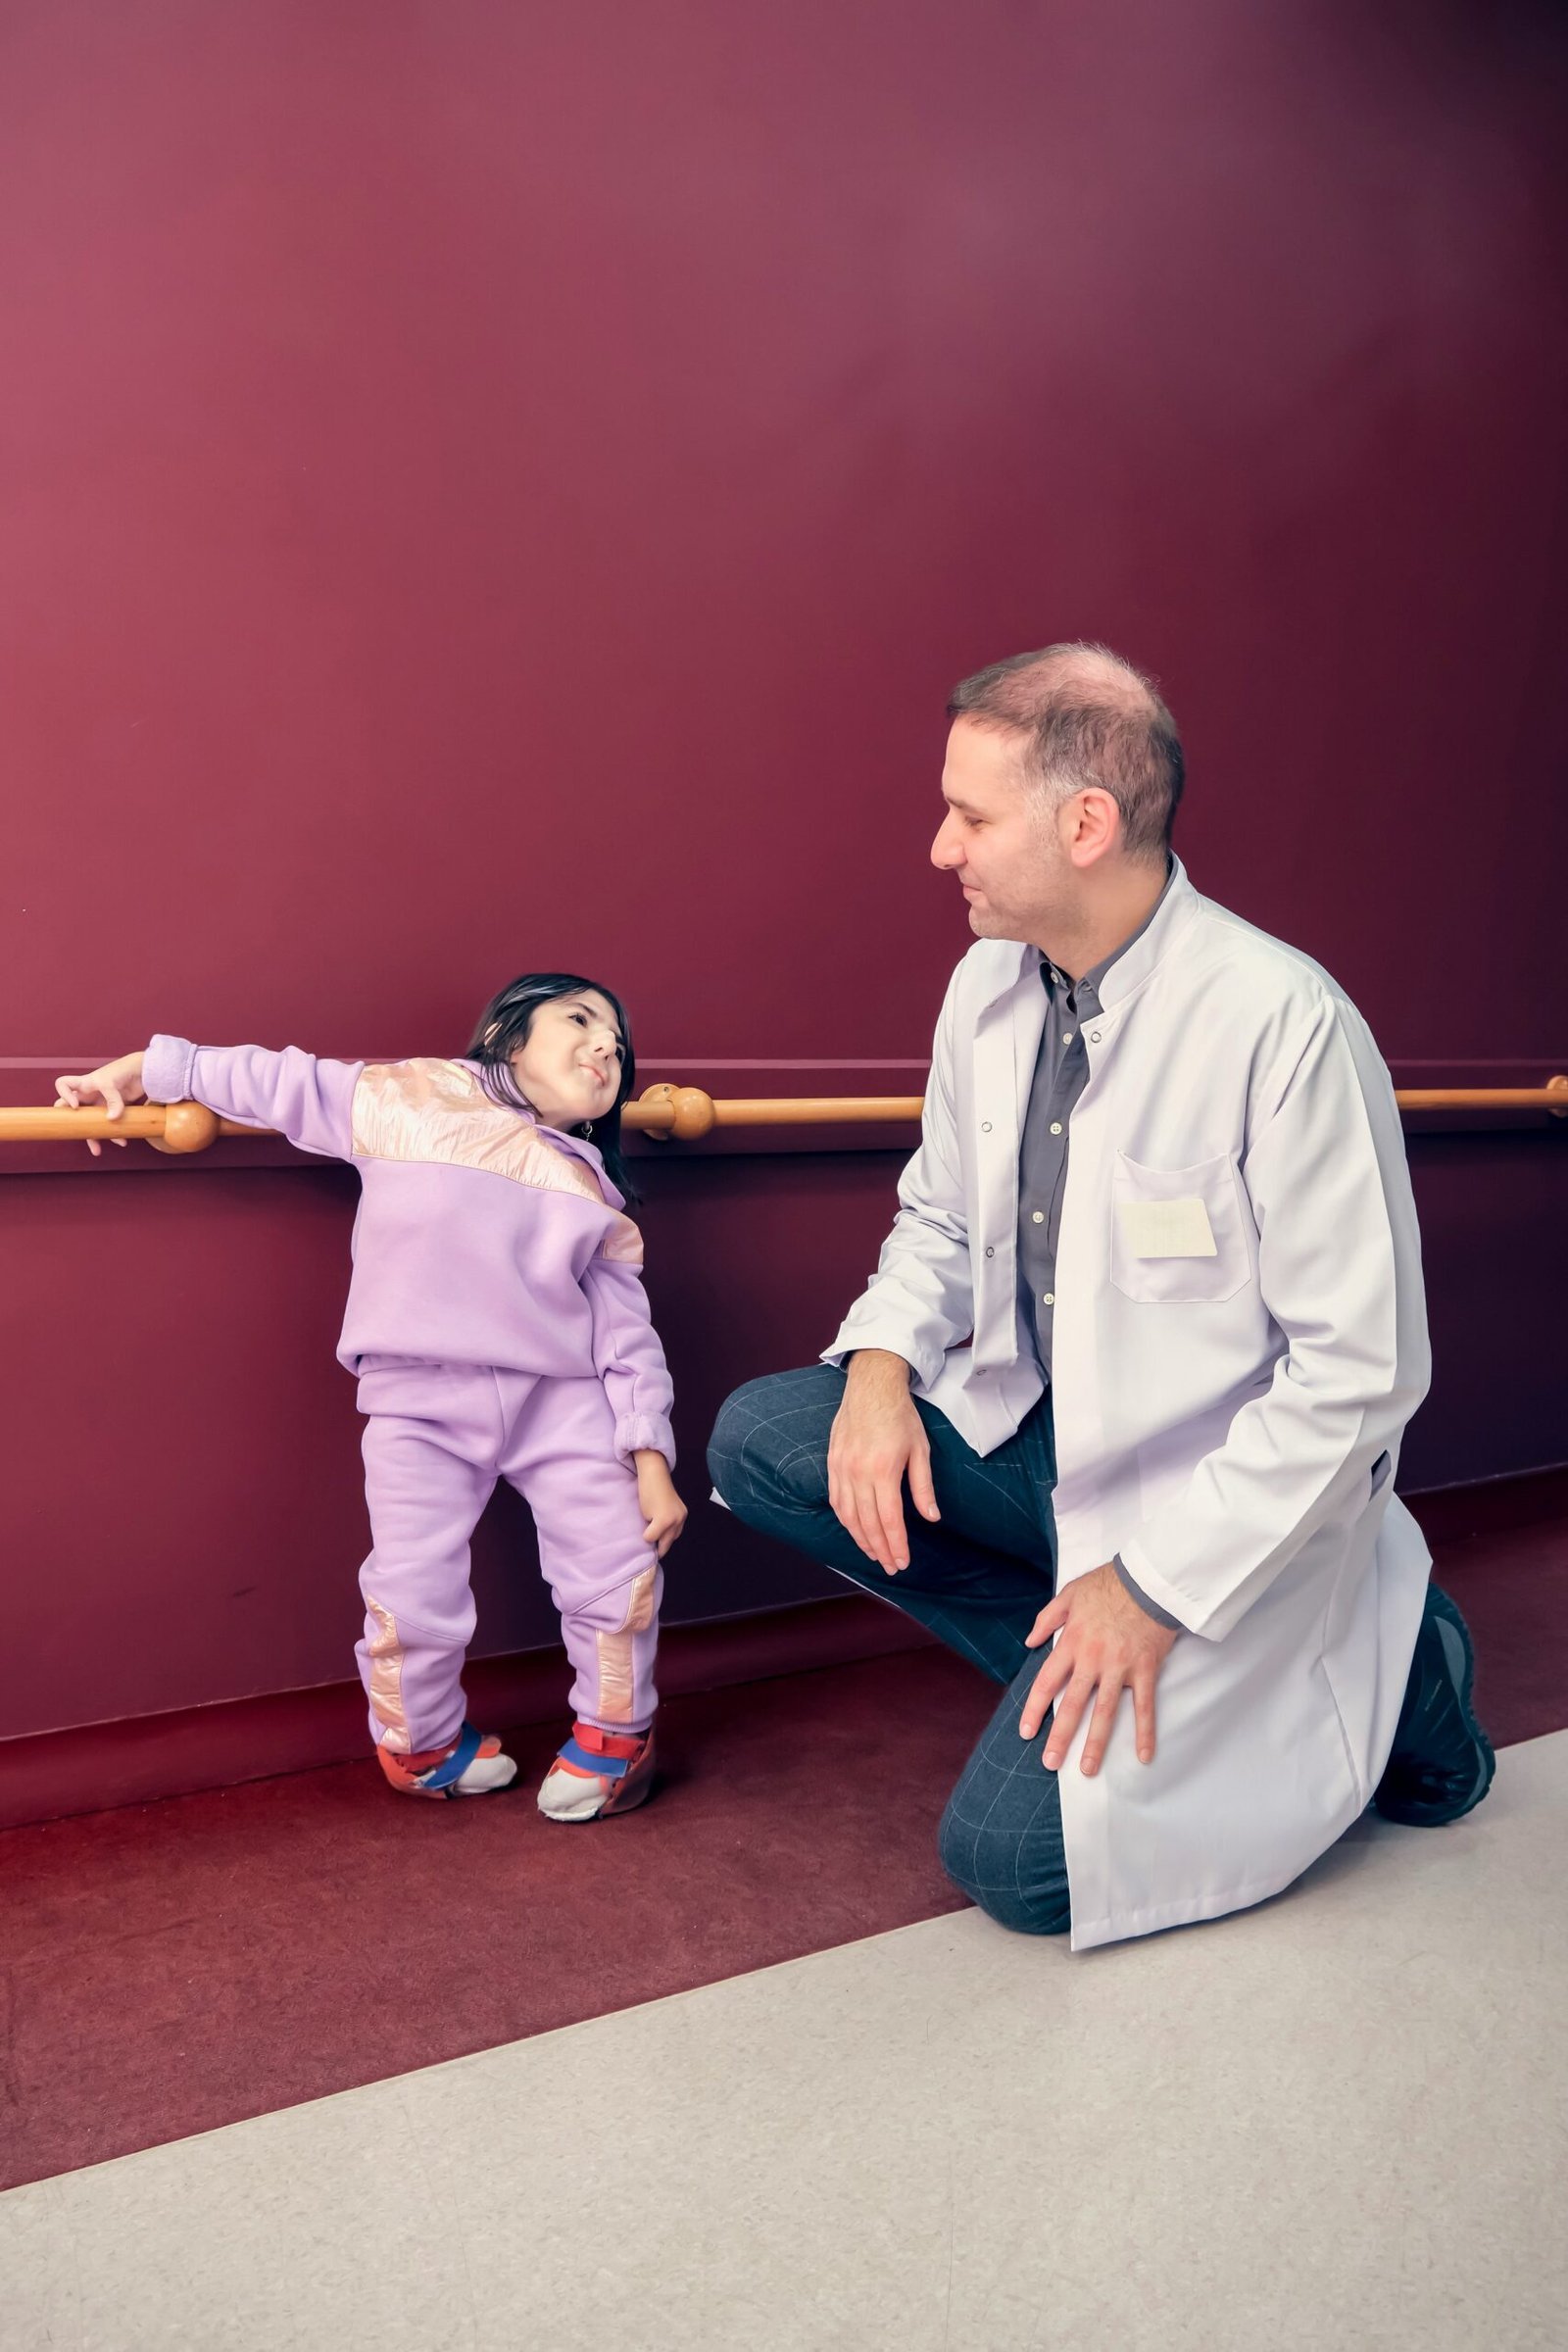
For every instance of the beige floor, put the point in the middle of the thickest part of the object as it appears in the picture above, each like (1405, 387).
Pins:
(1336, 2122)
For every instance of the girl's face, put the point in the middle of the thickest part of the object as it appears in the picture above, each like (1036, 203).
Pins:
(570, 1066)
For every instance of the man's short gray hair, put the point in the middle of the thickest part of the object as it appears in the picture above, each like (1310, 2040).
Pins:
(1090, 718)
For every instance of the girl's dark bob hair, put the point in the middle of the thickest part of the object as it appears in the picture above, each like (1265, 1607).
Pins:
(503, 1026)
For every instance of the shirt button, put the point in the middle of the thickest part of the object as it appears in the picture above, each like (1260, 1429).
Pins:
(1038, 1216)
(1055, 1126)
(1067, 1037)
(1050, 1298)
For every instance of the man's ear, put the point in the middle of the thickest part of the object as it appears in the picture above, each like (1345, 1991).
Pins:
(1095, 825)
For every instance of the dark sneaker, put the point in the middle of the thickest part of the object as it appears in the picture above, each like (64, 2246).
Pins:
(1442, 1763)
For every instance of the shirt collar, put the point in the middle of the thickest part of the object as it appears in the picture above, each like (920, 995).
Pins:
(1089, 983)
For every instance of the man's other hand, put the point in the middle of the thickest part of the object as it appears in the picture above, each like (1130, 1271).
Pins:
(1105, 1643)
(878, 1437)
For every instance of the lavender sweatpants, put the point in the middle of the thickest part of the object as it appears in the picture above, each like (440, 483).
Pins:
(437, 1436)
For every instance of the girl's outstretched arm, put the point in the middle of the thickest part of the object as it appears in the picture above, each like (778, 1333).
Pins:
(311, 1102)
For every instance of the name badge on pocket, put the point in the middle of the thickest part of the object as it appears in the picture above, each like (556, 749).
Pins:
(1167, 1228)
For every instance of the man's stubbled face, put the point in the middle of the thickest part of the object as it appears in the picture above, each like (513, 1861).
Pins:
(997, 841)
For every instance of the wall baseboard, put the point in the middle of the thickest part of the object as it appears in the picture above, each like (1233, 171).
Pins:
(1491, 1505)
(96, 1767)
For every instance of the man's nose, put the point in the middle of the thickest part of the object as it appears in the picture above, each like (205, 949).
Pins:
(945, 852)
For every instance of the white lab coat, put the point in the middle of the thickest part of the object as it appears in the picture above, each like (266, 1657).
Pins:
(1229, 1422)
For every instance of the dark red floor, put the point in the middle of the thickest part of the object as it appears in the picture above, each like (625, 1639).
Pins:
(173, 1967)
(177, 1966)
(1502, 1552)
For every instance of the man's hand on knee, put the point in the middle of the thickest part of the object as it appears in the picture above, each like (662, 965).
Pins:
(1105, 1644)
(877, 1437)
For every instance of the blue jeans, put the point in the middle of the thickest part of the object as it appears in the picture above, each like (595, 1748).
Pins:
(978, 1580)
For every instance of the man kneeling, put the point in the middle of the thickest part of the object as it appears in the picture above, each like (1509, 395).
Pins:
(1133, 1371)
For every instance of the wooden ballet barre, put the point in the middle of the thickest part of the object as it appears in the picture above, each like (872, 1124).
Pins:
(682, 1113)
(661, 1111)
(167, 1126)
(1552, 1097)
(688, 1114)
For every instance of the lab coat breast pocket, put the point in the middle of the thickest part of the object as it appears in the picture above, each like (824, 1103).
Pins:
(1178, 1236)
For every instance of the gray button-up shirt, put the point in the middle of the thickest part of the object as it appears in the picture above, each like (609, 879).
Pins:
(1061, 1072)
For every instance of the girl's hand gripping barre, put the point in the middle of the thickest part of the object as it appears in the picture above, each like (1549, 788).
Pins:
(115, 1085)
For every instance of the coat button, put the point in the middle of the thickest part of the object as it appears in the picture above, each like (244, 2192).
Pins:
(990, 1252)
(985, 1126)
(1093, 1037)
(1039, 1217)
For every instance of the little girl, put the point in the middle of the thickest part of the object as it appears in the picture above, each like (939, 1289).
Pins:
(498, 1324)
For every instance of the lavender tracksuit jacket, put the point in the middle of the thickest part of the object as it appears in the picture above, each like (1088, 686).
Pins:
(482, 1237)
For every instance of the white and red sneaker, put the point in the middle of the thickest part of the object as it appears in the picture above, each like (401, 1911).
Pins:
(598, 1773)
(474, 1765)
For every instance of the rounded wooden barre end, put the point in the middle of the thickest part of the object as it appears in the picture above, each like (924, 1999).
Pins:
(187, 1127)
(694, 1116)
(662, 1112)
(1558, 1086)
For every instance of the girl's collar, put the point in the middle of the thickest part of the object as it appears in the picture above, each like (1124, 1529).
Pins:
(580, 1147)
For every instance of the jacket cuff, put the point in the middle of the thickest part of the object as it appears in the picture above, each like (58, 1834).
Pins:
(168, 1069)
(1150, 1609)
(645, 1433)
(849, 1340)
(1148, 1585)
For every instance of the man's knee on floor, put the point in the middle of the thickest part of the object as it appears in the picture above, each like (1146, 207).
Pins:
(1018, 1881)
(757, 1459)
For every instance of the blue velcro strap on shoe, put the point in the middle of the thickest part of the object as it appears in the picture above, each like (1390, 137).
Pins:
(452, 1768)
(610, 1768)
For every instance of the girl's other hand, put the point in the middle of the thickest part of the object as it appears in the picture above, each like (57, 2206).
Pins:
(115, 1085)
(660, 1505)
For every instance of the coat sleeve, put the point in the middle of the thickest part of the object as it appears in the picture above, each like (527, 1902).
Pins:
(310, 1102)
(629, 1360)
(921, 1300)
(1339, 1270)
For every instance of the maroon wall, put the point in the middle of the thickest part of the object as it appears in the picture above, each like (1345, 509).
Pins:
(488, 486)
